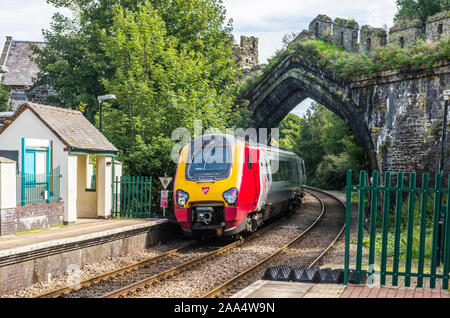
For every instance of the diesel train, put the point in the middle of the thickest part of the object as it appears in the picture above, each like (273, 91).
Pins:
(225, 185)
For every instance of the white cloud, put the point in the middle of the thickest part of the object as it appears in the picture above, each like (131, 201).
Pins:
(25, 19)
(270, 20)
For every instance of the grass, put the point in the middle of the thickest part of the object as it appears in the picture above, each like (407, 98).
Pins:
(403, 232)
(39, 230)
(346, 64)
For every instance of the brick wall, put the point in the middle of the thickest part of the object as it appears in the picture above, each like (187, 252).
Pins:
(30, 217)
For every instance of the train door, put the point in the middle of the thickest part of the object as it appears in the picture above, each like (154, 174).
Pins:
(264, 179)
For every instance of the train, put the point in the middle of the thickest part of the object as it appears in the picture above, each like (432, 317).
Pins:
(226, 186)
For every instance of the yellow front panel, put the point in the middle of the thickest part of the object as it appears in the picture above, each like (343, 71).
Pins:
(217, 188)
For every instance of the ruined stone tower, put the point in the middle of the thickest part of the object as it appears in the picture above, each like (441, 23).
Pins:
(371, 38)
(321, 27)
(438, 26)
(345, 34)
(246, 53)
(405, 32)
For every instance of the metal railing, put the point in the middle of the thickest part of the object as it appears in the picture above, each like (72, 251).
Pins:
(34, 189)
(409, 239)
(132, 197)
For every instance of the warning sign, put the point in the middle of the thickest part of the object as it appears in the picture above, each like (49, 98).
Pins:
(164, 199)
(165, 181)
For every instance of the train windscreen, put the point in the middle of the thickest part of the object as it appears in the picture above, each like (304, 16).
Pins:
(212, 161)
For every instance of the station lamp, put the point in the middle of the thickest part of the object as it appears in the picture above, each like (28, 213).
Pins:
(102, 99)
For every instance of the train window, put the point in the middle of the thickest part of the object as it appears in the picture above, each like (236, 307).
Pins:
(209, 162)
(249, 162)
(284, 172)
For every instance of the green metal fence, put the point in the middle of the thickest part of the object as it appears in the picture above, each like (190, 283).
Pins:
(132, 197)
(400, 217)
(33, 189)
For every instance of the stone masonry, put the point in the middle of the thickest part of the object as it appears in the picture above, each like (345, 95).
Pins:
(246, 53)
(345, 34)
(438, 26)
(321, 27)
(405, 32)
(371, 38)
(30, 217)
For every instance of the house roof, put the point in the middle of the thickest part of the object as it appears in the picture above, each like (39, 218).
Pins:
(71, 127)
(16, 58)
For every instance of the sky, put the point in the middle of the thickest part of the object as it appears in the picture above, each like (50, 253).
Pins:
(266, 19)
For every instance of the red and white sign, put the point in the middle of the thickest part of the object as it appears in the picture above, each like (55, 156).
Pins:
(165, 181)
(164, 199)
(205, 190)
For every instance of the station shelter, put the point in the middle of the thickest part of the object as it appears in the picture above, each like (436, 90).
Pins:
(51, 141)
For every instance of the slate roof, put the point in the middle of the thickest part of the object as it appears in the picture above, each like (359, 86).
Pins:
(71, 127)
(17, 60)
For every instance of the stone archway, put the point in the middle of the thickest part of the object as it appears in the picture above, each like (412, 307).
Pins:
(290, 82)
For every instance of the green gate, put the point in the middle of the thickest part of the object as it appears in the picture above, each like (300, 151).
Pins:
(132, 197)
(409, 239)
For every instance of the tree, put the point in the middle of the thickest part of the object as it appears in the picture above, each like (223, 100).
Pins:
(4, 98)
(326, 144)
(160, 85)
(73, 62)
(420, 9)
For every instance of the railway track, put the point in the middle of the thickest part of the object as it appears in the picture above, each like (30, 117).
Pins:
(167, 264)
(245, 278)
(132, 279)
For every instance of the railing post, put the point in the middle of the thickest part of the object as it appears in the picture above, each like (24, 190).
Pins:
(446, 245)
(361, 208)
(423, 224)
(348, 204)
(436, 216)
(398, 222)
(373, 222)
(409, 239)
(385, 225)
(150, 203)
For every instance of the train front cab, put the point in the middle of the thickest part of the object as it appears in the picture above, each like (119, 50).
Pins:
(214, 199)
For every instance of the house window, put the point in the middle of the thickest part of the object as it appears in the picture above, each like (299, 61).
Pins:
(402, 42)
(91, 171)
(440, 29)
(316, 31)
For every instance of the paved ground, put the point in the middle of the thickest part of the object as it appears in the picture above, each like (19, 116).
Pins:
(82, 229)
(271, 289)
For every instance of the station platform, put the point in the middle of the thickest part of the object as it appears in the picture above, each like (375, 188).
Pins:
(34, 256)
(274, 289)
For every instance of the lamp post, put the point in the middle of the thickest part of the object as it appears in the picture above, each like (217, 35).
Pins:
(444, 131)
(102, 99)
(441, 170)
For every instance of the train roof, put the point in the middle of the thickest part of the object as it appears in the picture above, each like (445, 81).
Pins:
(250, 143)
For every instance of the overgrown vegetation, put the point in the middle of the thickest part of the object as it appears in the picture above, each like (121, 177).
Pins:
(327, 145)
(404, 231)
(419, 9)
(168, 63)
(346, 64)
(4, 98)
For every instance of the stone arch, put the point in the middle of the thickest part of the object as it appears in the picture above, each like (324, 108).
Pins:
(290, 82)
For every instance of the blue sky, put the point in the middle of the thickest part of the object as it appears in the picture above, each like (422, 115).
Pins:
(266, 19)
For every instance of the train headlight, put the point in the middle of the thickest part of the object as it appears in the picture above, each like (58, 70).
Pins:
(231, 196)
(182, 197)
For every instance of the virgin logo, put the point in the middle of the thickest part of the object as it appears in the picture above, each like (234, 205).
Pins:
(205, 190)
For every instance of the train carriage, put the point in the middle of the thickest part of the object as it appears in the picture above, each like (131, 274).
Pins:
(225, 185)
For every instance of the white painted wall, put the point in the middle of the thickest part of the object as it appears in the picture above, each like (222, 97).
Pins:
(27, 125)
(7, 185)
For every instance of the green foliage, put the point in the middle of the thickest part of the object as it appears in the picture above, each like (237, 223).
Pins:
(419, 9)
(404, 231)
(168, 63)
(4, 98)
(326, 144)
(346, 64)
(161, 83)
